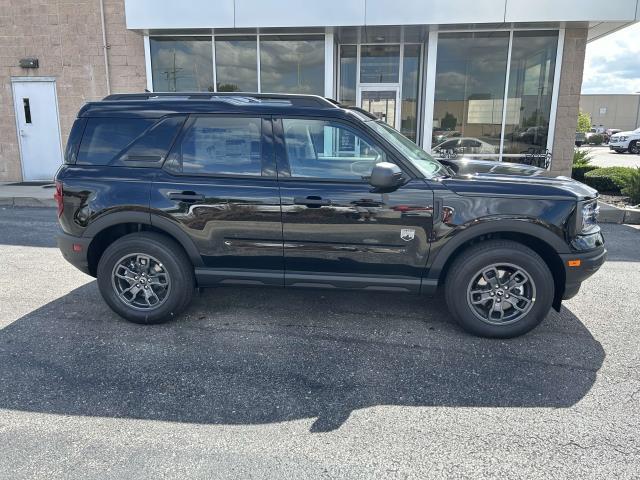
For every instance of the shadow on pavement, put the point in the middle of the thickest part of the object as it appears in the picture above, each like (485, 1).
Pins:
(248, 356)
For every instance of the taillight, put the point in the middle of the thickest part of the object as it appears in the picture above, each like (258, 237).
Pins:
(58, 198)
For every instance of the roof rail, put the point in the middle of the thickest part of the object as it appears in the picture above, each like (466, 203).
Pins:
(238, 98)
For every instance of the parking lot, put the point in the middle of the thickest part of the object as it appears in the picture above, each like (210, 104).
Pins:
(267, 383)
(603, 157)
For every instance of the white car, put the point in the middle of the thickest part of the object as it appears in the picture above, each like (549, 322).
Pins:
(626, 141)
(467, 145)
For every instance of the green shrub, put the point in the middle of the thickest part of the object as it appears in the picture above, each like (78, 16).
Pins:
(596, 139)
(609, 179)
(632, 189)
(578, 171)
(581, 157)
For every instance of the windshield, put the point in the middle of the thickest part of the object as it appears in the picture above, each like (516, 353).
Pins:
(424, 162)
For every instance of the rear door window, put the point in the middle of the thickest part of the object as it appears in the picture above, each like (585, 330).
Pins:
(104, 138)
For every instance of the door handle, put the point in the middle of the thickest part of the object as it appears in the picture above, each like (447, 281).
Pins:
(186, 196)
(22, 133)
(311, 201)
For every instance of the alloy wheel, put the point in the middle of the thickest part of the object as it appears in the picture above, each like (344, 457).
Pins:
(141, 281)
(501, 294)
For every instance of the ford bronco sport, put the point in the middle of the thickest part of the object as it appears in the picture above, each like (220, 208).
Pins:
(164, 193)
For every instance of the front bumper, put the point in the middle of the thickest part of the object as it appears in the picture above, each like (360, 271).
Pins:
(75, 256)
(619, 146)
(586, 264)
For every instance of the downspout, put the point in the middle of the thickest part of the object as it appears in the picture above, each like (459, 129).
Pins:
(105, 47)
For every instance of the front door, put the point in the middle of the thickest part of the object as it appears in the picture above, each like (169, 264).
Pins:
(36, 110)
(382, 102)
(337, 232)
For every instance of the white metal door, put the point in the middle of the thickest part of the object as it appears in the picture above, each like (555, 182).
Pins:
(38, 127)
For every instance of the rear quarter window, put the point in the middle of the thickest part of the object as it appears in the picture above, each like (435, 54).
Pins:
(104, 138)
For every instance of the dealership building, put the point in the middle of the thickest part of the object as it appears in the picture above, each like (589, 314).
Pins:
(493, 79)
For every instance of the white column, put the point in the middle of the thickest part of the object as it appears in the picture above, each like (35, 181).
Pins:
(556, 90)
(329, 65)
(430, 89)
(147, 63)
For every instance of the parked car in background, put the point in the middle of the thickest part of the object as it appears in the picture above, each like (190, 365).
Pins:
(161, 193)
(626, 142)
(440, 136)
(609, 132)
(469, 145)
(581, 139)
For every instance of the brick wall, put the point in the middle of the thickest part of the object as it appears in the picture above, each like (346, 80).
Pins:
(66, 37)
(575, 43)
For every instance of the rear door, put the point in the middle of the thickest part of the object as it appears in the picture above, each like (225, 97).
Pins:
(219, 185)
(337, 230)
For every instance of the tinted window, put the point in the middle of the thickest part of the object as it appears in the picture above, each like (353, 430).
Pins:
(292, 64)
(236, 64)
(321, 149)
(153, 146)
(223, 145)
(104, 138)
(71, 151)
(181, 64)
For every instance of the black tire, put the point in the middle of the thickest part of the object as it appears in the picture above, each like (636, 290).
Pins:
(468, 265)
(171, 258)
(633, 147)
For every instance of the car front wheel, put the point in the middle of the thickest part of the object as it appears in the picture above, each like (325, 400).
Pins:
(499, 288)
(146, 278)
(634, 148)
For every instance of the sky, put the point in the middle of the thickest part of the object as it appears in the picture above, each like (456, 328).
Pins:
(612, 63)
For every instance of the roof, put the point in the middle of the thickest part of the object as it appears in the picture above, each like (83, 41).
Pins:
(155, 105)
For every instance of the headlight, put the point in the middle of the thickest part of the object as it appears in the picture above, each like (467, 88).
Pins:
(590, 213)
(622, 139)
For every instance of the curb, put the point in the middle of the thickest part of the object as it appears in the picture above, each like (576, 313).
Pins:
(611, 214)
(27, 202)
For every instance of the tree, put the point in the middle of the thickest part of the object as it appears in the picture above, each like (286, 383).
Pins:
(584, 122)
(449, 122)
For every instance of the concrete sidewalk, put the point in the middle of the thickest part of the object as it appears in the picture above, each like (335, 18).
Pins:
(21, 195)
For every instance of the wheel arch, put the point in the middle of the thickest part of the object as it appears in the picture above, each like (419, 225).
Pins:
(111, 227)
(538, 238)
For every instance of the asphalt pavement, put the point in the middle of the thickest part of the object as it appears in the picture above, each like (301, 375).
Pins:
(603, 157)
(267, 383)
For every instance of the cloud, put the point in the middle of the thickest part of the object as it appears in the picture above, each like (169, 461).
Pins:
(612, 64)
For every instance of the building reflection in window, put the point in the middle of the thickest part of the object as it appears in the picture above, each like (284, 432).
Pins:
(181, 64)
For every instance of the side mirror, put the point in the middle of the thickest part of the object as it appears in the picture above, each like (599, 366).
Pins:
(386, 177)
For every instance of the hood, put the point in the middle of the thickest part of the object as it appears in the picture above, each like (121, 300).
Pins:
(483, 177)
(625, 134)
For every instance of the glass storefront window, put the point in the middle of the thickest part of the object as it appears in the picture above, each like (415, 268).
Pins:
(348, 72)
(181, 64)
(292, 64)
(469, 92)
(379, 63)
(237, 64)
(533, 63)
(409, 104)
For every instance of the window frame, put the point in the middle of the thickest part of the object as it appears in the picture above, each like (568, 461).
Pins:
(267, 160)
(282, 158)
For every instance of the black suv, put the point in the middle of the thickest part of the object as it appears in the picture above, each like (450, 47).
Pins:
(163, 193)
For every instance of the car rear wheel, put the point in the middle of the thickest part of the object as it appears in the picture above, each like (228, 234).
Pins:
(499, 288)
(146, 278)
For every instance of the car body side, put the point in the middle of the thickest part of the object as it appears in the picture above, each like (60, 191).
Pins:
(103, 203)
